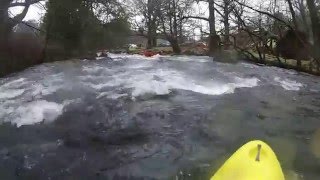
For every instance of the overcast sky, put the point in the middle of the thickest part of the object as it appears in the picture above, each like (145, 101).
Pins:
(35, 12)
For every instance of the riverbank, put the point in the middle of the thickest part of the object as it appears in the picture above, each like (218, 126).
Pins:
(233, 56)
(271, 60)
(226, 56)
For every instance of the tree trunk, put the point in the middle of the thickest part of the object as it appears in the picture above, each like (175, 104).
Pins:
(315, 21)
(303, 14)
(226, 35)
(293, 14)
(4, 23)
(174, 34)
(213, 43)
(5, 55)
(150, 39)
(154, 41)
(181, 39)
(175, 45)
(226, 24)
(175, 22)
(151, 25)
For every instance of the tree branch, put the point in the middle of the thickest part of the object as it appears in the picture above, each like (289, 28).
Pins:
(195, 17)
(265, 13)
(218, 12)
(26, 3)
(18, 18)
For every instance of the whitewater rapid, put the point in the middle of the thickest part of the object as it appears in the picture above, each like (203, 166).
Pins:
(28, 97)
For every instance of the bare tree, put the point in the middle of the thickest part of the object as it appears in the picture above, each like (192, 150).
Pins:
(7, 23)
(171, 14)
(303, 17)
(240, 11)
(293, 13)
(214, 39)
(226, 9)
(149, 10)
(315, 20)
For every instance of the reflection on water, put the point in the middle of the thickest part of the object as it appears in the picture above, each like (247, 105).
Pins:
(160, 118)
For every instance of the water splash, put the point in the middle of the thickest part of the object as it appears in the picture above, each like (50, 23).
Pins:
(289, 84)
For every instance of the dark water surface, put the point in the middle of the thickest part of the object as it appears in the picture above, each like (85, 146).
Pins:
(154, 118)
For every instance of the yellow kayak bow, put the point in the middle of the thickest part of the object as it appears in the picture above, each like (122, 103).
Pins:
(253, 161)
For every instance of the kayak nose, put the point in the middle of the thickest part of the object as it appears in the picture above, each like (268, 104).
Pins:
(253, 161)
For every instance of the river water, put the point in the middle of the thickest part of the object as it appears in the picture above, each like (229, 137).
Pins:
(132, 117)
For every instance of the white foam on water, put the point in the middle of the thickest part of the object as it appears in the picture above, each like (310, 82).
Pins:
(246, 82)
(10, 93)
(39, 90)
(36, 112)
(166, 81)
(121, 55)
(141, 79)
(99, 86)
(190, 58)
(288, 84)
(150, 87)
(12, 89)
(111, 95)
(103, 94)
(92, 69)
(159, 81)
(100, 58)
(21, 104)
(133, 56)
(141, 65)
(46, 86)
(14, 83)
(248, 65)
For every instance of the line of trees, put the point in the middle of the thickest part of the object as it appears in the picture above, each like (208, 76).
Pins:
(288, 28)
(293, 24)
(168, 17)
(76, 28)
